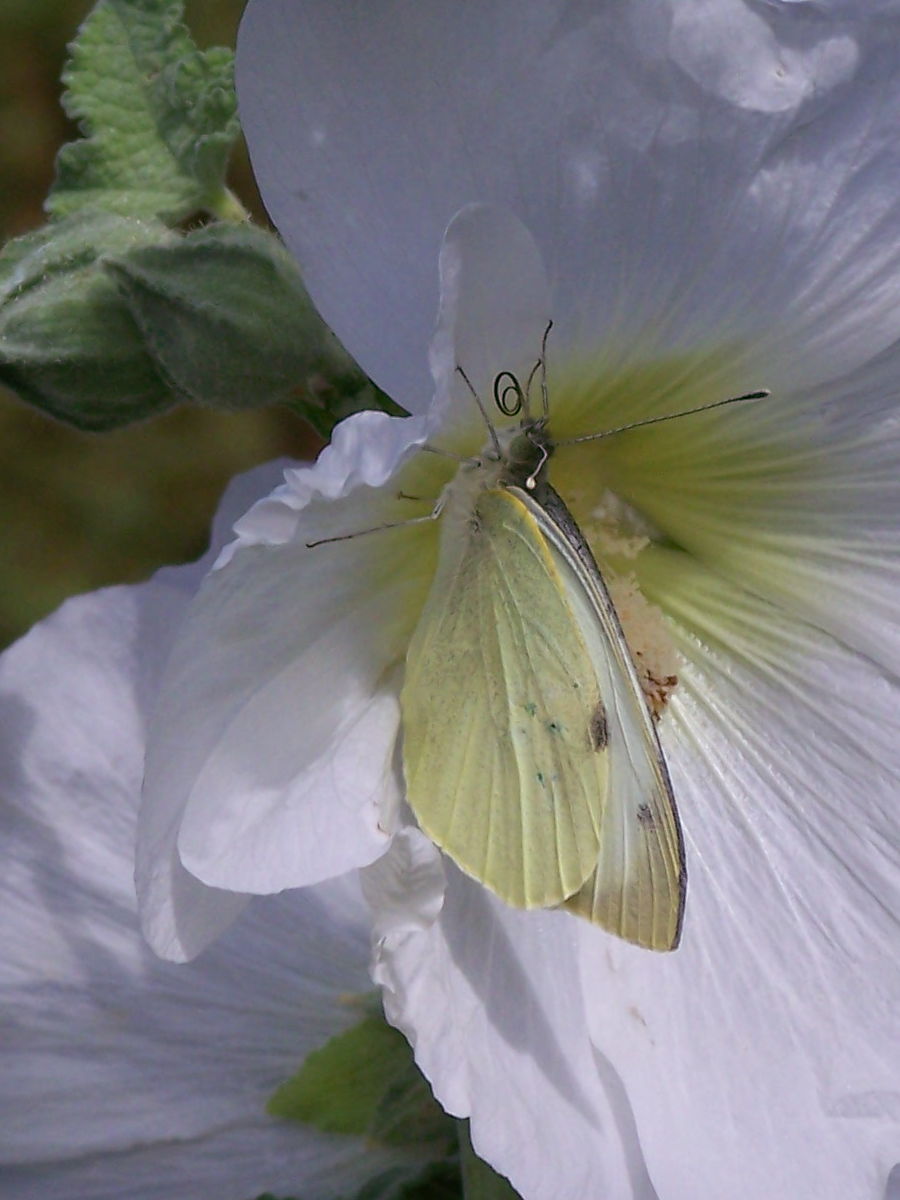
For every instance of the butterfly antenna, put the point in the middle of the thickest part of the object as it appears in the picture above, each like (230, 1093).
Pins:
(487, 420)
(545, 395)
(686, 412)
(526, 399)
(540, 365)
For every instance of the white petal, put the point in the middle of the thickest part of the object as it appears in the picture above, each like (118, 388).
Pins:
(763, 1053)
(795, 498)
(365, 451)
(694, 174)
(405, 887)
(494, 309)
(135, 1051)
(232, 1162)
(96, 664)
(490, 999)
(270, 758)
(123, 1075)
(848, 7)
(764, 73)
(75, 693)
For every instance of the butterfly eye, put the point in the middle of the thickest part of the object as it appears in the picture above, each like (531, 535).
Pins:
(508, 394)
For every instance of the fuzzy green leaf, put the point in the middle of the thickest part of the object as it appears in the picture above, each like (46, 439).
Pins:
(227, 318)
(68, 342)
(159, 116)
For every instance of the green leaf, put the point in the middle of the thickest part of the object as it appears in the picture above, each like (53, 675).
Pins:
(438, 1181)
(339, 1086)
(106, 320)
(227, 318)
(407, 1113)
(364, 1081)
(159, 117)
(68, 342)
(480, 1181)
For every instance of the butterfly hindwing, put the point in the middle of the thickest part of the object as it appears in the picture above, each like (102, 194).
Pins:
(638, 885)
(503, 764)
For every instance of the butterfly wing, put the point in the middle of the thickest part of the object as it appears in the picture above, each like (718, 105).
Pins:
(637, 888)
(503, 765)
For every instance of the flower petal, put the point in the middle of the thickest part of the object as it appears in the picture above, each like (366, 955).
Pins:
(124, 1075)
(230, 1162)
(179, 914)
(494, 310)
(775, 1015)
(695, 173)
(490, 999)
(98, 661)
(76, 694)
(405, 887)
(794, 498)
(767, 75)
(270, 757)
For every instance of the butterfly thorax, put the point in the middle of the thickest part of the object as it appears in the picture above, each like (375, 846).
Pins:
(524, 452)
(527, 457)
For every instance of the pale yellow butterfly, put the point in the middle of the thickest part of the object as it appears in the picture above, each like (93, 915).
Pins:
(529, 752)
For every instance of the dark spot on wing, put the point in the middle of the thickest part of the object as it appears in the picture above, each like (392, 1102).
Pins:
(599, 728)
(645, 816)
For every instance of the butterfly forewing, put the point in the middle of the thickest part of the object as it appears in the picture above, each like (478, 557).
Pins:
(637, 887)
(503, 764)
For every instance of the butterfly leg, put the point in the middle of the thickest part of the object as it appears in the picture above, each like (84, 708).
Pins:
(343, 537)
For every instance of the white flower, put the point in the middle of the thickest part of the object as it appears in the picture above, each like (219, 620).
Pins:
(712, 190)
(121, 1075)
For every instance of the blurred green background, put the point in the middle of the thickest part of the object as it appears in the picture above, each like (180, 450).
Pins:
(80, 511)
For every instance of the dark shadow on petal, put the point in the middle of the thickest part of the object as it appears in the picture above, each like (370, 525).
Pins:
(627, 1125)
(892, 1189)
(488, 959)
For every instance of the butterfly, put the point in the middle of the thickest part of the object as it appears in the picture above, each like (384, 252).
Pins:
(530, 755)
